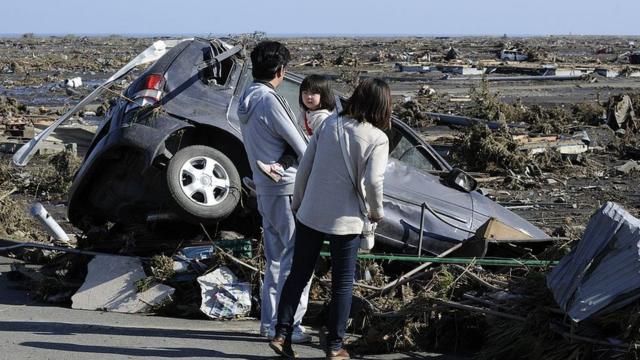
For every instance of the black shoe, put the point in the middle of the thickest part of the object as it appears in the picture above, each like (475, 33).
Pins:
(340, 354)
(282, 347)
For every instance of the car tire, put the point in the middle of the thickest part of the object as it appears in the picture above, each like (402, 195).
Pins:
(203, 183)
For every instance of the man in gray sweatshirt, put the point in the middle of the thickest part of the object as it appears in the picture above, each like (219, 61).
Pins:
(268, 128)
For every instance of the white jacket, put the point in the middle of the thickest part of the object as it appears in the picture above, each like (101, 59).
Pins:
(324, 196)
(314, 119)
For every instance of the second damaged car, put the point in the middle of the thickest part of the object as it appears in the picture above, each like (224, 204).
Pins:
(171, 147)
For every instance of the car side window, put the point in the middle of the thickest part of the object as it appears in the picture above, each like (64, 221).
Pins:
(217, 74)
(409, 152)
(290, 90)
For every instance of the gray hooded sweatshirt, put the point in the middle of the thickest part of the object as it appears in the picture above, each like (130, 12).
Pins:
(268, 126)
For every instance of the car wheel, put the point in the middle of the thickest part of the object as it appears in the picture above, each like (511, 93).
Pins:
(203, 183)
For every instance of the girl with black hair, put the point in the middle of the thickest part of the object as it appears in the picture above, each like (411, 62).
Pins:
(317, 103)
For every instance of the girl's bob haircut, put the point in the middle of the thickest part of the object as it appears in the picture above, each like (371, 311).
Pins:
(318, 84)
(371, 102)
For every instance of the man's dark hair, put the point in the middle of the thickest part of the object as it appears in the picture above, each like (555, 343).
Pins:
(267, 57)
(318, 84)
(371, 102)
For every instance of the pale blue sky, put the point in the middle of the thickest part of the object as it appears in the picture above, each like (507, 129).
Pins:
(359, 17)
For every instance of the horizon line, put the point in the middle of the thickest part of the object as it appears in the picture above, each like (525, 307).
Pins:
(106, 34)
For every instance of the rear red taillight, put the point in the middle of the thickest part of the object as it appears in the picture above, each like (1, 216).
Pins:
(148, 91)
(152, 82)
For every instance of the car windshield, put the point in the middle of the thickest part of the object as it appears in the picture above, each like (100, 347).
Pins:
(402, 148)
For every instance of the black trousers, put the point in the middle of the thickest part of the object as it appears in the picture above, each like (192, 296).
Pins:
(344, 250)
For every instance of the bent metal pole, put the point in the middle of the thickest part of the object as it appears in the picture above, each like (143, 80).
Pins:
(39, 212)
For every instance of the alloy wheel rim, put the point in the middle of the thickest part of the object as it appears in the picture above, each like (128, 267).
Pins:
(204, 181)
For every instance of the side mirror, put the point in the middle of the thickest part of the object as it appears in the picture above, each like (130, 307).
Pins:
(460, 180)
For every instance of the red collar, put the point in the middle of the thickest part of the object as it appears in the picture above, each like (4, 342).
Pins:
(306, 125)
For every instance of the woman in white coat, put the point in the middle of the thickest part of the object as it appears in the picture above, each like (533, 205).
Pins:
(329, 206)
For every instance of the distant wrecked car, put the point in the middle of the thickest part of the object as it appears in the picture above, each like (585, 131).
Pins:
(171, 146)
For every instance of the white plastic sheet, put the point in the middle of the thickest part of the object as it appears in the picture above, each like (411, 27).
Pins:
(223, 297)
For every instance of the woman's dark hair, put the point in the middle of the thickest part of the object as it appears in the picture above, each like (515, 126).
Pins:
(318, 84)
(267, 57)
(371, 102)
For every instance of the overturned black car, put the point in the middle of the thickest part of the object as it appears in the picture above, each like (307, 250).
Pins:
(171, 148)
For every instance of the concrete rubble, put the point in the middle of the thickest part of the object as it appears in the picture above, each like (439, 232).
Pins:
(18, 128)
(628, 167)
(110, 285)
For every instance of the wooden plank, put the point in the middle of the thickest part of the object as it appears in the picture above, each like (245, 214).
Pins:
(494, 230)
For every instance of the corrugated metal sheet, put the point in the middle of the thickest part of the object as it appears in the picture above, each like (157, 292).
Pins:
(602, 273)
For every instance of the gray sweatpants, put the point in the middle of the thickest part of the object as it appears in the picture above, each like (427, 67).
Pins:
(279, 226)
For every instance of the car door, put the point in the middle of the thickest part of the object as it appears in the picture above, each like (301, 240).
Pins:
(411, 180)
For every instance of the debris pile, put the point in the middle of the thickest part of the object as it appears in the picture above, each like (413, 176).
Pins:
(10, 107)
(346, 58)
(620, 113)
(180, 285)
(452, 54)
(49, 180)
(486, 150)
(509, 312)
(463, 307)
(412, 113)
(14, 221)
